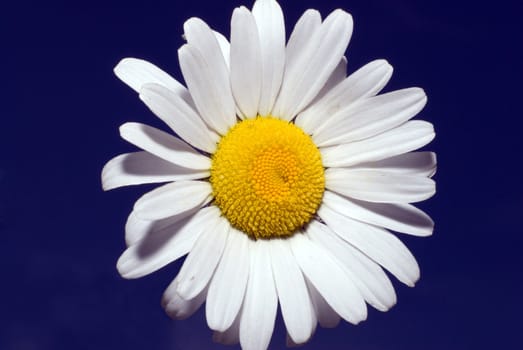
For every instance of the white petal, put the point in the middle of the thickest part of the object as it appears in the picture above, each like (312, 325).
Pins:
(142, 168)
(379, 186)
(366, 81)
(164, 146)
(413, 163)
(231, 336)
(207, 76)
(378, 244)
(225, 47)
(370, 117)
(136, 73)
(309, 72)
(329, 279)
(399, 217)
(261, 301)
(271, 29)
(201, 262)
(246, 65)
(296, 307)
(337, 76)
(327, 317)
(303, 31)
(373, 284)
(172, 199)
(227, 288)
(179, 116)
(177, 307)
(137, 229)
(164, 246)
(405, 138)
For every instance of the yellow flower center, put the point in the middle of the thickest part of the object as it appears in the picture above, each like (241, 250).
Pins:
(267, 177)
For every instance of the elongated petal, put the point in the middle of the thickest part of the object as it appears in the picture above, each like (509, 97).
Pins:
(337, 76)
(378, 244)
(225, 47)
(172, 199)
(366, 81)
(207, 75)
(370, 282)
(370, 117)
(231, 336)
(305, 28)
(246, 65)
(164, 246)
(379, 186)
(296, 307)
(318, 58)
(271, 29)
(137, 229)
(136, 73)
(179, 116)
(261, 301)
(142, 168)
(201, 262)
(399, 217)
(178, 308)
(227, 288)
(326, 316)
(337, 289)
(413, 163)
(210, 91)
(405, 138)
(164, 146)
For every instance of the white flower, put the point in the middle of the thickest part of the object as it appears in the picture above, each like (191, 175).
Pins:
(283, 180)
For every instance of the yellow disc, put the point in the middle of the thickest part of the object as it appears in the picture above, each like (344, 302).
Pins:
(267, 177)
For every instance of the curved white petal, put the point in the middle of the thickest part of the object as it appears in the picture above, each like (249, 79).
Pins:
(366, 81)
(325, 314)
(225, 47)
(337, 289)
(179, 116)
(295, 304)
(231, 336)
(261, 301)
(379, 186)
(373, 284)
(207, 76)
(246, 65)
(399, 217)
(201, 262)
(271, 30)
(164, 146)
(227, 288)
(308, 72)
(143, 168)
(137, 229)
(337, 76)
(172, 199)
(164, 246)
(370, 117)
(413, 163)
(405, 138)
(303, 30)
(378, 244)
(136, 73)
(178, 308)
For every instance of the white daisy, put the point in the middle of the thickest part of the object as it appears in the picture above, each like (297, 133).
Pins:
(284, 177)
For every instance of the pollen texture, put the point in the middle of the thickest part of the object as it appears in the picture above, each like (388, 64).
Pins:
(267, 177)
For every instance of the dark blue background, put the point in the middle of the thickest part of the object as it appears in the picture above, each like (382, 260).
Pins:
(61, 235)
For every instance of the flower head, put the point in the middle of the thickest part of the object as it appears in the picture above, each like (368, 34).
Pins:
(284, 177)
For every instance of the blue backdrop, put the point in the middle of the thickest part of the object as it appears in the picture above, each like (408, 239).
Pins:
(60, 234)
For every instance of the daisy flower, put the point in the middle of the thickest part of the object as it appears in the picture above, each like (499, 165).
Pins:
(284, 177)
